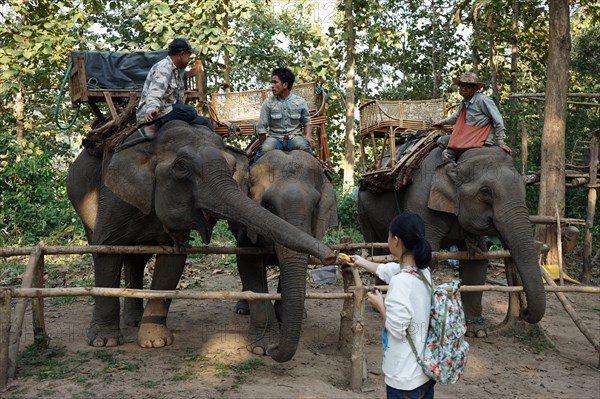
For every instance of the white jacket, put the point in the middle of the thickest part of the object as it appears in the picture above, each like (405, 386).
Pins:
(408, 306)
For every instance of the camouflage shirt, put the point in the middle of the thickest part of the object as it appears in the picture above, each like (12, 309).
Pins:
(283, 116)
(163, 88)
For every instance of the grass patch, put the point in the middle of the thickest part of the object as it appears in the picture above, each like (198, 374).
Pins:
(44, 363)
(184, 376)
(239, 372)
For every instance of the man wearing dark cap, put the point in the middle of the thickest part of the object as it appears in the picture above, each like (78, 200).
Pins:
(162, 95)
(477, 121)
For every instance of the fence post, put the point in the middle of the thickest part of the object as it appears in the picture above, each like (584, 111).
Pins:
(37, 308)
(5, 296)
(358, 366)
(345, 337)
(17, 327)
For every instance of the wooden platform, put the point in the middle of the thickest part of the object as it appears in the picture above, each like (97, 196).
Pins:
(83, 92)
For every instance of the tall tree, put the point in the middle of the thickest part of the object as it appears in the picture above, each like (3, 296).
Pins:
(350, 73)
(552, 182)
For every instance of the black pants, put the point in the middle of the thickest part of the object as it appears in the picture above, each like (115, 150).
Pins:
(185, 113)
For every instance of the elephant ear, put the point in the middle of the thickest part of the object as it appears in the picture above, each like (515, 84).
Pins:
(238, 162)
(130, 176)
(443, 195)
(327, 210)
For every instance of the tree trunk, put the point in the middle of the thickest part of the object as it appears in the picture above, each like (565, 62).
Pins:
(514, 63)
(20, 114)
(474, 15)
(552, 183)
(226, 59)
(493, 71)
(434, 61)
(350, 74)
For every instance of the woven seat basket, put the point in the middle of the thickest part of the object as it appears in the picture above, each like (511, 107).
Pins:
(237, 113)
(385, 124)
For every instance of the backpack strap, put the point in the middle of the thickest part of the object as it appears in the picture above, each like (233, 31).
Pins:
(419, 274)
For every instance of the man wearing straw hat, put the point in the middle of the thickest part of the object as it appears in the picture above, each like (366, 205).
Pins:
(477, 121)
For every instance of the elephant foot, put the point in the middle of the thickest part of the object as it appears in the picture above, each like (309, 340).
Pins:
(263, 340)
(154, 335)
(242, 307)
(104, 336)
(476, 328)
(133, 311)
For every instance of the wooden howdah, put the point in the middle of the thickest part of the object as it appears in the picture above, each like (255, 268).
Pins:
(386, 124)
(83, 92)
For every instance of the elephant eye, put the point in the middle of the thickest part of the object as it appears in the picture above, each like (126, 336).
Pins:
(485, 191)
(180, 167)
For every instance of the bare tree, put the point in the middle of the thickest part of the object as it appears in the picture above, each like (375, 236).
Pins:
(350, 75)
(552, 182)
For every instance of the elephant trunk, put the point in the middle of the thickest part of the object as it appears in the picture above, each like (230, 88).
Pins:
(293, 290)
(220, 193)
(512, 222)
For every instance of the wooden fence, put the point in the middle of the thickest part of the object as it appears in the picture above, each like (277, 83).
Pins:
(351, 318)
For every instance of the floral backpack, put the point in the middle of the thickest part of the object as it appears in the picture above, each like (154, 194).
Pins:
(446, 349)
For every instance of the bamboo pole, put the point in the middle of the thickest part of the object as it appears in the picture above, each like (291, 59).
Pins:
(17, 327)
(586, 275)
(5, 297)
(576, 95)
(559, 247)
(166, 294)
(571, 312)
(358, 369)
(496, 288)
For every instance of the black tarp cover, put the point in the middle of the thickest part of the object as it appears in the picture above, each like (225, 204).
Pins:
(118, 71)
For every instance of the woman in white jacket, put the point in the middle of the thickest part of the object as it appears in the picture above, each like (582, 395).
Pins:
(406, 308)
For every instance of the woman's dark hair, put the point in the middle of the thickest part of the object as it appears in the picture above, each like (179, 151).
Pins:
(410, 228)
(285, 75)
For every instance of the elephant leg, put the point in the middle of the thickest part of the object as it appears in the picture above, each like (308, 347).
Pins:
(104, 328)
(134, 278)
(242, 307)
(264, 327)
(473, 272)
(153, 332)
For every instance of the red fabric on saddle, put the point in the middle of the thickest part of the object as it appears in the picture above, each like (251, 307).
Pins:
(466, 136)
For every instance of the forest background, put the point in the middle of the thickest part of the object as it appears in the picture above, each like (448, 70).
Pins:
(390, 49)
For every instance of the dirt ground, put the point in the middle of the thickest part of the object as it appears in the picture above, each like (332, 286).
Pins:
(209, 358)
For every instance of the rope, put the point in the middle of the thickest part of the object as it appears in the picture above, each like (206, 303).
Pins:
(60, 96)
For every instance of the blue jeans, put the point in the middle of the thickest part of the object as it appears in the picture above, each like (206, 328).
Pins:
(271, 143)
(425, 391)
(185, 113)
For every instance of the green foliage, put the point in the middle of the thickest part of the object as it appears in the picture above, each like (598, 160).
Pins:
(33, 201)
(347, 211)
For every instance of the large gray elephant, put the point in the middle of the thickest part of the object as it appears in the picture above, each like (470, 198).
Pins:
(291, 185)
(155, 193)
(482, 194)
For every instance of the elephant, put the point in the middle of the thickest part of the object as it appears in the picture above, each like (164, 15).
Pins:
(482, 194)
(293, 186)
(154, 193)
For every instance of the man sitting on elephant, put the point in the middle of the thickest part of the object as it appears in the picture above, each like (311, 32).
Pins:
(162, 96)
(282, 118)
(477, 121)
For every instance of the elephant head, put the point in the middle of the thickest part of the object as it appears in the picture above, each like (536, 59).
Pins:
(487, 195)
(291, 185)
(186, 177)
